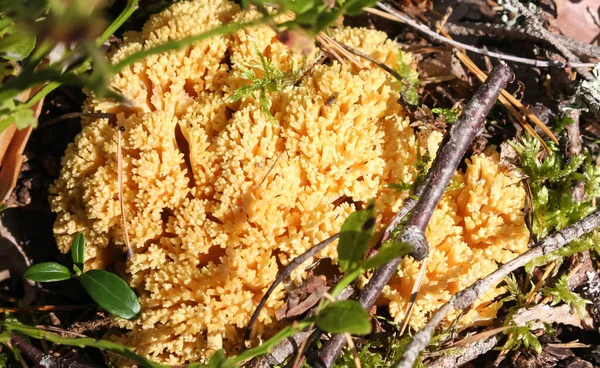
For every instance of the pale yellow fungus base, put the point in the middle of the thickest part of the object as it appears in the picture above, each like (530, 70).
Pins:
(218, 198)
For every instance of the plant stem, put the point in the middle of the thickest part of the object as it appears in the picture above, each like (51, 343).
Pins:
(118, 22)
(449, 156)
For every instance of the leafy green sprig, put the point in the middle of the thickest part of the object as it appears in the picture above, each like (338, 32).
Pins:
(552, 179)
(272, 80)
(560, 293)
(521, 336)
(105, 288)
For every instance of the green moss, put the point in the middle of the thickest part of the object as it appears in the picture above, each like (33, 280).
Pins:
(521, 337)
(450, 115)
(409, 84)
(377, 355)
(552, 179)
(560, 293)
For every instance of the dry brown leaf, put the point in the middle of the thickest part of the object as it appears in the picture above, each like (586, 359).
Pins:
(12, 145)
(303, 298)
(579, 19)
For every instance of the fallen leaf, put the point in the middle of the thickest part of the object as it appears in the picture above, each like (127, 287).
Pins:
(12, 145)
(303, 298)
(579, 20)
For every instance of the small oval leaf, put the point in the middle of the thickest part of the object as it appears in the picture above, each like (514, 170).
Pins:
(344, 316)
(47, 272)
(78, 250)
(17, 44)
(111, 293)
(355, 235)
(385, 254)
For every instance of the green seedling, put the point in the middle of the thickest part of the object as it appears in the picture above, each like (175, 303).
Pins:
(105, 288)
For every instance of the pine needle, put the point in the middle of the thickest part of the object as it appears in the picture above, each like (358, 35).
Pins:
(508, 100)
(540, 282)
(120, 130)
(413, 295)
(353, 349)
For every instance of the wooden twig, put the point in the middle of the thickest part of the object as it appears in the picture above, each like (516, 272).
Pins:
(450, 154)
(467, 353)
(40, 358)
(468, 296)
(391, 13)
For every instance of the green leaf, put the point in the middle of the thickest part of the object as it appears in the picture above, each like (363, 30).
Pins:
(78, 250)
(385, 254)
(111, 293)
(355, 235)
(344, 316)
(12, 111)
(47, 272)
(355, 7)
(24, 117)
(16, 44)
(219, 360)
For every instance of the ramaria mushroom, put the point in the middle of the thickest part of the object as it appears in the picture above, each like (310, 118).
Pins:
(218, 196)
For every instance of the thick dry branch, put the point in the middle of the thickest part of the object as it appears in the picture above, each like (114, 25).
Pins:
(40, 358)
(450, 154)
(391, 13)
(465, 298)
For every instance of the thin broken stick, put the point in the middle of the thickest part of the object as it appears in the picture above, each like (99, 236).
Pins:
(392, 14)
(283, 274)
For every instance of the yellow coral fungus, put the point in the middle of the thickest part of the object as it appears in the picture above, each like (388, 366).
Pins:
(472, 230)
(218, 197)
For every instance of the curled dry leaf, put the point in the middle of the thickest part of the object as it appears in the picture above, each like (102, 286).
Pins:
(303, 298)
(12, 145)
